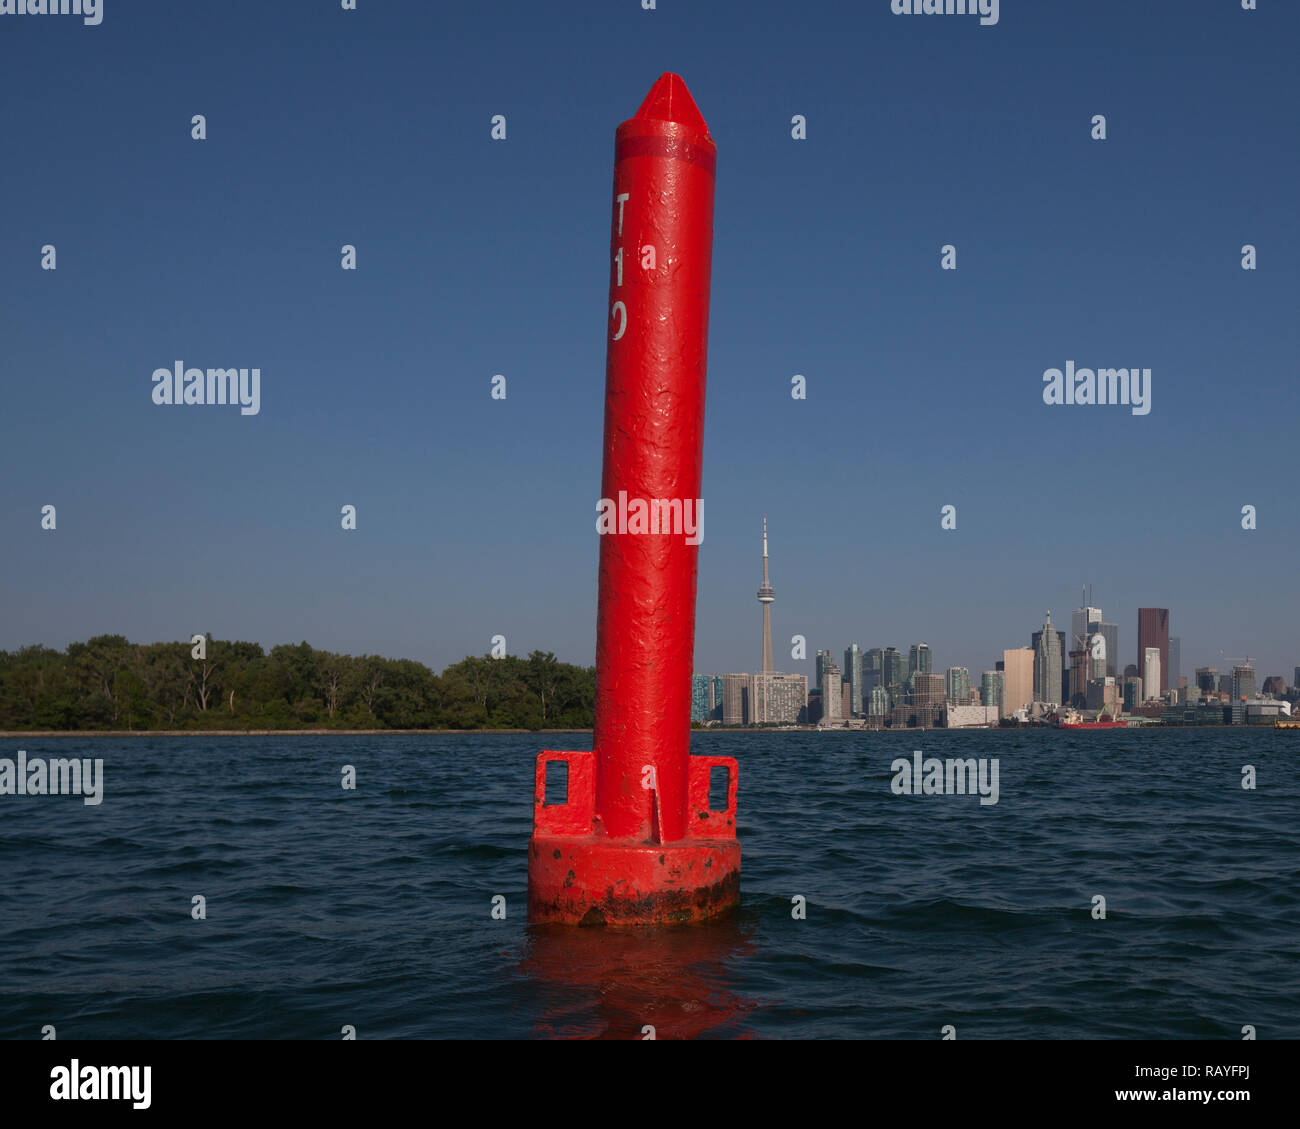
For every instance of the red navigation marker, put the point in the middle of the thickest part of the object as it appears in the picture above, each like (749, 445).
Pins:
(636, 841)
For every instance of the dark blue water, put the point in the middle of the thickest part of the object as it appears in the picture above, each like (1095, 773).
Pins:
(372, 908)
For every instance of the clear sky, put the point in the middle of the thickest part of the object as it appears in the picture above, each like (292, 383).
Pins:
(475, 257)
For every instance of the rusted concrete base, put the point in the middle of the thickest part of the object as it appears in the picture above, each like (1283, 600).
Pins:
(596, 881)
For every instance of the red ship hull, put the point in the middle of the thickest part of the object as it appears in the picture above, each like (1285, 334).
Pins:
(1092, 725)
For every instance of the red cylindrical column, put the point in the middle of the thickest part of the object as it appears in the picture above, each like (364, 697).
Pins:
(635, 839)
(661, 248)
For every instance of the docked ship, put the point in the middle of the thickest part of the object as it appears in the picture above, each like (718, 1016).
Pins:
(1073, 719)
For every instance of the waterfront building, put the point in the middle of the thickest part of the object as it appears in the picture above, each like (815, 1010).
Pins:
(1017, 679)
(778, 699)
(735, 699)
(991, 688)
(966, 717)
(702, 701)
(1104, 695)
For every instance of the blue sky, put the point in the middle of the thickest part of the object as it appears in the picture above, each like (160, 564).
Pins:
(476, 517)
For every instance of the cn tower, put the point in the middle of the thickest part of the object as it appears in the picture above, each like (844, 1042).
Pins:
(765, 597)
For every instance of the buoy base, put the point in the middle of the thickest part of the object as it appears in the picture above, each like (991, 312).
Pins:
(578, 875)
(590, 881)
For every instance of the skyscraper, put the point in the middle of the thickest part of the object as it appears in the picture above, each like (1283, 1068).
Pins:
(1207, 679)
(892, 672)
(1175, 671)
(824, 659)
(1243, 683)
(929, 697)
(853, 673)
(832, 693)
(1089, 658)
(1153, 631)
(766, 597)
(957, 685)
(1047, 664)
(702, 702)
(1152, 675)
(1084, 623)
(1034, 640)
(991, 689)
(1017, 679)
(1080, 664)
(872, 673)
(918, 659)
(1110, 632)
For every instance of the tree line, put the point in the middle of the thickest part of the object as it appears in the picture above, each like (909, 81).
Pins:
(110, 683)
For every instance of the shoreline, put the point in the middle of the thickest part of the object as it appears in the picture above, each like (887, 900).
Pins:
(17, 734)
(9, 734)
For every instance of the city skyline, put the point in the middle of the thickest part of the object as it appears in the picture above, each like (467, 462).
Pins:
(1057, 672)
(1087, 622)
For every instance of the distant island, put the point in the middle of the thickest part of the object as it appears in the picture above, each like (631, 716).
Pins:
(110, 684)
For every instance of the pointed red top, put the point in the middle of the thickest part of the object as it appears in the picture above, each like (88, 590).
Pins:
(670, 101)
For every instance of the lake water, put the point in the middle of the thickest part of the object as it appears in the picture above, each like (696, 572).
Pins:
(372, 908)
